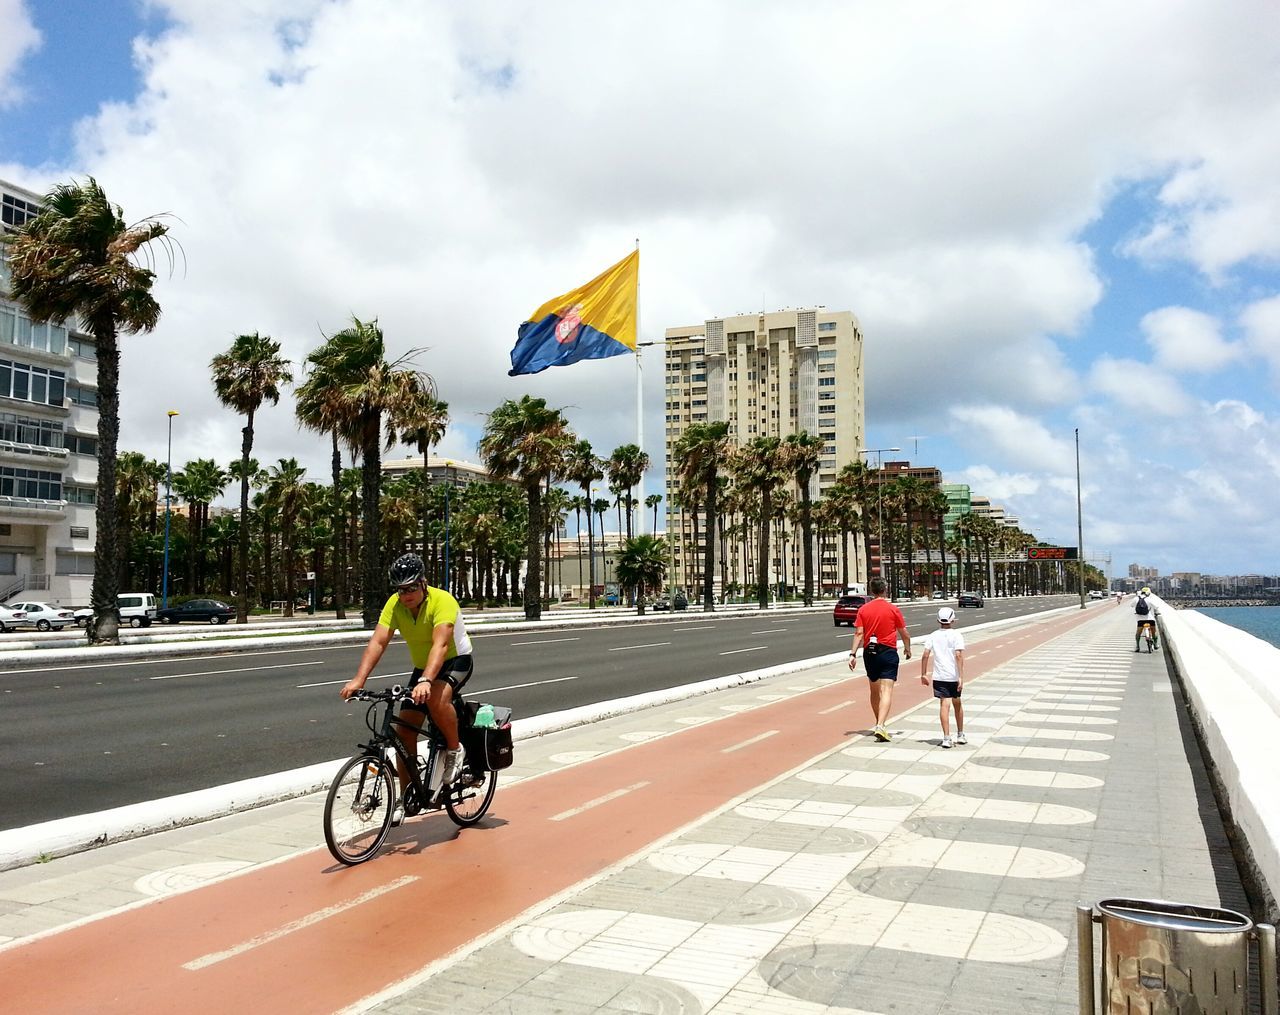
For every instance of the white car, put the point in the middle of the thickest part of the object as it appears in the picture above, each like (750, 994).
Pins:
(11, 618)
(44, 616)
(1097, 594)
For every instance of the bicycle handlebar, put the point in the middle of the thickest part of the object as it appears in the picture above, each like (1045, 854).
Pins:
(395, 693)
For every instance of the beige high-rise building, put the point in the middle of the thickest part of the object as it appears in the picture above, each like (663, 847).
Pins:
(767, 374)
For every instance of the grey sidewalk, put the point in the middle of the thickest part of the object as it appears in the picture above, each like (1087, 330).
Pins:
(876, 878)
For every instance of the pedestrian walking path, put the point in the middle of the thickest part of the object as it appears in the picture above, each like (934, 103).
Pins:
(759, 851)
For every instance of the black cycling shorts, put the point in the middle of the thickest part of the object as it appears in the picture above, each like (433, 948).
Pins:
(455, 672)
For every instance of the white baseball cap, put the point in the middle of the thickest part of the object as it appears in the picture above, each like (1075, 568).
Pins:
(946, 615)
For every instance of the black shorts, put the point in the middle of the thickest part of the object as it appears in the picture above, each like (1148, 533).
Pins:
(946, 688)
(1147, 622)
(455, 672)
(881, 662)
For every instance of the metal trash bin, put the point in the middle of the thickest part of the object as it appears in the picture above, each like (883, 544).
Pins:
(1170, 957)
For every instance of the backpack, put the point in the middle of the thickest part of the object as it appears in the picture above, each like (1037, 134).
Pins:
(1141, 608)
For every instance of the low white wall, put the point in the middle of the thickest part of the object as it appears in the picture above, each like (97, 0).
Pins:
(1232, 682)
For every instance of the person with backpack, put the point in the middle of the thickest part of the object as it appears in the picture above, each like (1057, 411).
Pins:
(1146, 617)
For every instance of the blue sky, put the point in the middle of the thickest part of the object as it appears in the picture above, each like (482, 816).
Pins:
(1045, 218)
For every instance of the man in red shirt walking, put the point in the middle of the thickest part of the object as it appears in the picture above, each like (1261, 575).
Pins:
(878, 626)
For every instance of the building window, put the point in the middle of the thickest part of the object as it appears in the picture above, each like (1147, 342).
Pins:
(827, 326)
(826, 382)
(826, 396)
(826, 354)
(16, 212)
(43, 433)
(80, 495)
(78, 444)
(33, 484)
(68, 562)
(8, 562)
(82, 348)
(80, 395)
(79, 532)
(17, 329)
(826, 408)
(29, 383)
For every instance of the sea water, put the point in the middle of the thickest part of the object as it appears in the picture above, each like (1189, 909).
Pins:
(1260, 621)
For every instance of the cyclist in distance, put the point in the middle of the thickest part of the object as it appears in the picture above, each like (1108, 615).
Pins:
(1144, 610)
(430, 622)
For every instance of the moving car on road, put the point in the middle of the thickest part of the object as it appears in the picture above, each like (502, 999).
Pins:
(664, 601)
(970, 599)
(45, 617)
(846, 609)
(209, 611)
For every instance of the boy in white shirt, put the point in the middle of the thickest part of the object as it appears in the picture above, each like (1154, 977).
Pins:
(946, 648)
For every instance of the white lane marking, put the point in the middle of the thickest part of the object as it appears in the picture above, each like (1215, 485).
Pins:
(598, 801)
(628, 648)
(242, 669)
(694, 627)
(532, 683)
(306, 921)
(544, 641)
(836, 708)
(734, 652)
(747, 743)
(770, 630)
(376, 676)
(144, 662)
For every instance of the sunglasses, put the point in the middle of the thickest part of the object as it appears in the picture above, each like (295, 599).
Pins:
(415, 587)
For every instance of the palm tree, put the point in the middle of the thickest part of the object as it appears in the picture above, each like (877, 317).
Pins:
(133, 493)
(626, 467)
(642, 565)
(652, 501)
(200, 483)
(285, 490)
(910, 493)
(600, 506)
(583, 468)
(934, 506)
(363, 395)
(77, 258)
(246, 375)
(757, 469)
(701, 450)
(555, 509)
(802, 455)
(529, 442)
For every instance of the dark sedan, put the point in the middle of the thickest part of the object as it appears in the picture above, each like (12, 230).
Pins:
(206, 611)
(846, 609)
(970, 599)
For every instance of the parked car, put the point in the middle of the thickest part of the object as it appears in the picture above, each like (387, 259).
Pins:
(83, 616)
(970, 599)
(11, 619)
(939, 594)
(44, 616)
(846, 609)
(137, 609)
(210, 611)
(664, 601)
(1097, 594)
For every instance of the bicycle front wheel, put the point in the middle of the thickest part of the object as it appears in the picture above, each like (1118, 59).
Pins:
(357, 811)
(468, 804)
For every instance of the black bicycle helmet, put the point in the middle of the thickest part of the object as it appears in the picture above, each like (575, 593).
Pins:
(407, 570)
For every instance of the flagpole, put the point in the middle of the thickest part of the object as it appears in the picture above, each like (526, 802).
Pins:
(639, 407)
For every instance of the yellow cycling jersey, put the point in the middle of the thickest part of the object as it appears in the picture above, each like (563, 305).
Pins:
(438, 607)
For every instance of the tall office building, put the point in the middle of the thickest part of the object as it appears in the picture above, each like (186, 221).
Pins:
(768, 374)
(48, 444)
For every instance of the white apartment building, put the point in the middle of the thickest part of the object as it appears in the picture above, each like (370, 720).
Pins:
(48, 445)
(766, 374)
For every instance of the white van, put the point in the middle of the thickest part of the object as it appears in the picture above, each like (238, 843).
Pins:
(137, 609)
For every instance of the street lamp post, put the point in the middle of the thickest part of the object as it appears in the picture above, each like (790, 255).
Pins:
(1079, 524)
(448, 482)
(168, 497)
(879, 502)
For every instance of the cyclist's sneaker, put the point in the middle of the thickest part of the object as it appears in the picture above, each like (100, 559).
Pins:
(397, 816)
(453, 762)
(961, 738)
(882, 734)
(471, 778)
(946, 742)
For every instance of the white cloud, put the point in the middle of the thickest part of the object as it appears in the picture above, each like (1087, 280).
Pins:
(18, 38)
(1261, 323)
(1138, 387)
(1021, 441)
(1187, 340)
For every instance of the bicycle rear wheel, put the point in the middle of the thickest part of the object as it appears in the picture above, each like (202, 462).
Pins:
(468, 804)
(357, 811)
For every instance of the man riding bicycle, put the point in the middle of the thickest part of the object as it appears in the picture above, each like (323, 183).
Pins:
(430, 622)
(1145, 611)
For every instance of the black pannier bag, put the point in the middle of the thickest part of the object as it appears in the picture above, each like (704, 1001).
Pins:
(489, 749)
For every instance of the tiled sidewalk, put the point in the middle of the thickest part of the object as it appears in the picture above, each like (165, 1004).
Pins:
(891, 877)
(876, 878)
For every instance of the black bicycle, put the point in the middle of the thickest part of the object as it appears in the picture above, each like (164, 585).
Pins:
(362, 797)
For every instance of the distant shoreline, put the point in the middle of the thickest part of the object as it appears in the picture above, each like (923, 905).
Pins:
(1191, 604)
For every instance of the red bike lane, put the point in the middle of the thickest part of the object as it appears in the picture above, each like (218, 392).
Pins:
(309, 935)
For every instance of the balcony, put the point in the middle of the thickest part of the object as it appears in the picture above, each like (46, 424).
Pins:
(32, 508)
(20, 452)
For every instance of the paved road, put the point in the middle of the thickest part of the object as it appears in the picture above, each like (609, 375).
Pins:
(81, 738)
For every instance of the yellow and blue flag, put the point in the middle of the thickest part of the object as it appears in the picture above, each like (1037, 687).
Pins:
(595, 321)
